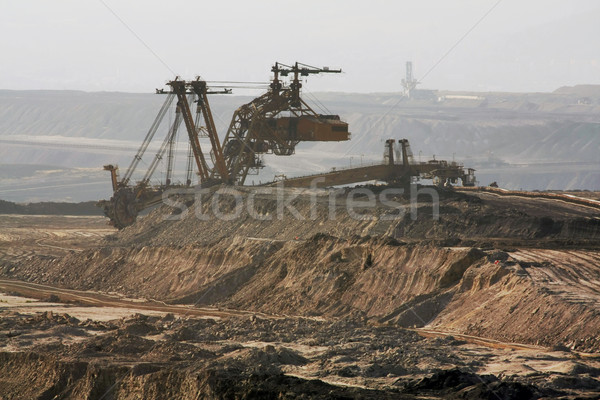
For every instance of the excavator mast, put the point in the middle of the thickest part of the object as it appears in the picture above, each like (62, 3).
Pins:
(128, 199)
(199, 88)
(276, 122)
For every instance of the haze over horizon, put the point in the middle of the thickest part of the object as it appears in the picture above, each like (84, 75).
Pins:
(53, 144)
(536, 46)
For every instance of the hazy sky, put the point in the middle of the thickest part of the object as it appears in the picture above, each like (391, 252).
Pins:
(522, 45)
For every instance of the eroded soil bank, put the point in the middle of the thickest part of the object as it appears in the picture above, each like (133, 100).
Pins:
(509, 269)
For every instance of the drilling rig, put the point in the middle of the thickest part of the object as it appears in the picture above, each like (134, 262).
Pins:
(273, 123)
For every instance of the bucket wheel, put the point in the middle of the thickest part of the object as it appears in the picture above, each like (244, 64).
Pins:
(121, 209)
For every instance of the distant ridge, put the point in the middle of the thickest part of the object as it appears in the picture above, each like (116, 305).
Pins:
(50, 208)
(580, 90)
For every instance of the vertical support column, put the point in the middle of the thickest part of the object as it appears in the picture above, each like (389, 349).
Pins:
(200, 90)
(189, 167)
(180, 90)
(171, 150)
(404, 144)
(390, 149)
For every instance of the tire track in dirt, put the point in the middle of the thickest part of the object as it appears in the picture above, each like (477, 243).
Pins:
(572, 275)
(43, 292)
(553, 199)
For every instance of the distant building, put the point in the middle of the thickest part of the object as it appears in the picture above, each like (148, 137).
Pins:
(584, 100)
(460, 97)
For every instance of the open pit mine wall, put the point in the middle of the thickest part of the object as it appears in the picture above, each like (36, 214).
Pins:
(359, 267)
(542, 195)
(461, 289)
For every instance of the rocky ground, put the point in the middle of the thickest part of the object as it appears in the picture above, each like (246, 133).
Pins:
(182, 357)
(498, 298)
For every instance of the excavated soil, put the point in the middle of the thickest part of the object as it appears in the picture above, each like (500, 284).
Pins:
(59, 356)
(496, 298)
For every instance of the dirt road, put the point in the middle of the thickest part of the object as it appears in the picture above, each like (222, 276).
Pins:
(44, 292)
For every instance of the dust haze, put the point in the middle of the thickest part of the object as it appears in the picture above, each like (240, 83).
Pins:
(424, 223)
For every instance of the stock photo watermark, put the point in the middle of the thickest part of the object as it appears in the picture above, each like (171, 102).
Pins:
(230, 203)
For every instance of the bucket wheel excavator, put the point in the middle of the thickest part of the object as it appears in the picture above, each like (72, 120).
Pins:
(273, 123)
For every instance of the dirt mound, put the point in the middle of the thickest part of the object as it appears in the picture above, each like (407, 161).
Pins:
(398, 271)
(468, 217)
(580, 90)
(269, 356)
(326, 302)
(457, 384)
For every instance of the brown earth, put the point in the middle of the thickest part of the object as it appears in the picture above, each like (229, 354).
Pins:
(510, 269)
(165, 356)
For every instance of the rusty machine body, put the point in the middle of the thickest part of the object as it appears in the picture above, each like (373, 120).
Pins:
(129, 199)
(276, 122)
(398, 168)
(273, 123)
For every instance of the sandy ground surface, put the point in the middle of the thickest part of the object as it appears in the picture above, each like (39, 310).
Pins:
(341, 353)
(105, 342)
(23, 236)
(29, 306)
